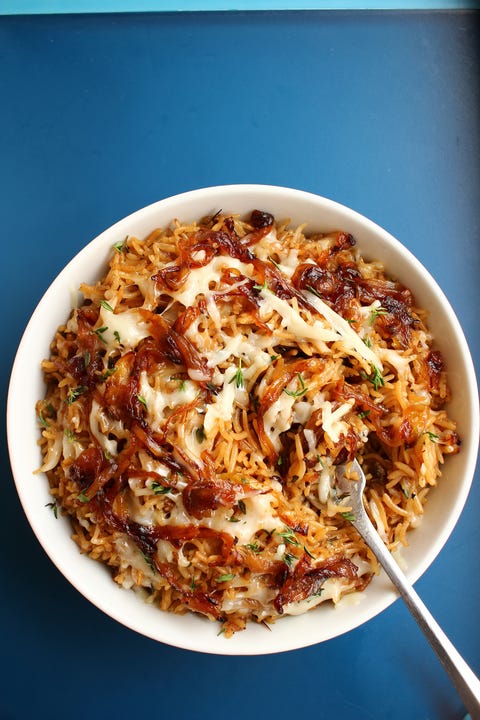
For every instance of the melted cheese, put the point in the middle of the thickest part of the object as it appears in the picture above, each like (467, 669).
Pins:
(250, 349)
(131, 557)
(158, 402)
(302, 412)
(129, 326)
(200, 280)
(254, 591)
(332, 589)
(349, 339)
(278, 419)
(324, 486)
(222, 406)
(399, 362)
(99, 427)
(332, 423)
(269, 244)
(259, 515)
(266, 245)
(293, 322)
(213, 310)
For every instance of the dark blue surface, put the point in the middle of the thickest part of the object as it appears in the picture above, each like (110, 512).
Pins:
(102, 115)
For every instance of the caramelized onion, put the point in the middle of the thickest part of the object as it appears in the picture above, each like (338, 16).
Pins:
(306, 580)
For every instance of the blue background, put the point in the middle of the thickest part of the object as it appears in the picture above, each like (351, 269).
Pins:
(104, 114)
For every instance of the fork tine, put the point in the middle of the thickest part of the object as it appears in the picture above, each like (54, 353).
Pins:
(350, 477)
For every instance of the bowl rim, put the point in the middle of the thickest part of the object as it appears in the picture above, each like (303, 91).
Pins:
(205, 194)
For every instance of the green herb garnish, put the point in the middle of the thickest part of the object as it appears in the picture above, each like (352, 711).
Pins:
(348, 516)
(376, 377)
(53, 507)
(274, 262)
(289, 536)
(120, 246)
(159, 489)
(200, 434)
(99, 333)
(377, 312)
(238, 377)
(297, 393)
(105, 305)
(142, 400)
(242, 507)
(74, 393)
(254, 547)
(224, 578)
(314, 292)
(44, 423)
(108, 372)
(149, 561)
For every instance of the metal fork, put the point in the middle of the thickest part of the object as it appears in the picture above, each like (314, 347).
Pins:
(350, 480)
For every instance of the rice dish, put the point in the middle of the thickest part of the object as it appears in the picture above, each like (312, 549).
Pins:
(200, 396)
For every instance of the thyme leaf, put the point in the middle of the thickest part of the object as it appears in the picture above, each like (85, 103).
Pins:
(99, 333)
(376, 377)
(377, 312)
(53, 507)
(74, 393)
(200, 434)
(297, 393)
(142, 400)
(289, 536)
(159, 489)
(238, 377)
(121, 246)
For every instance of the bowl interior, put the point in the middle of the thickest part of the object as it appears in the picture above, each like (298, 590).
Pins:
(193, 632)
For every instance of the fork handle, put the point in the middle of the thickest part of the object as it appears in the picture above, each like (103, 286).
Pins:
(462, 676)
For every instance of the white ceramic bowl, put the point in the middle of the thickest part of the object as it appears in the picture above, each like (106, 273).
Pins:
(93, 579)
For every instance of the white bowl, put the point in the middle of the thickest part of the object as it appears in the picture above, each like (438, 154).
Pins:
(92, 579)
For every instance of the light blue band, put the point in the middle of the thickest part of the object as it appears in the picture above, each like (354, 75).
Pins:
(21, 7)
